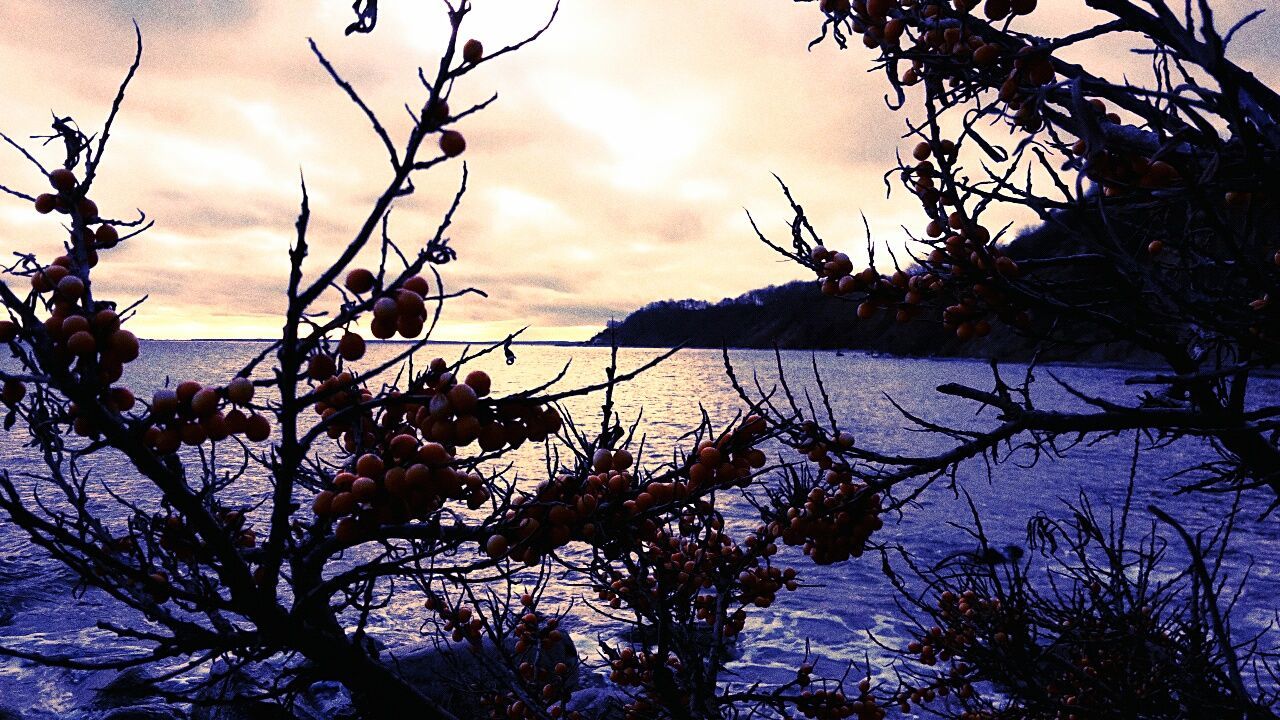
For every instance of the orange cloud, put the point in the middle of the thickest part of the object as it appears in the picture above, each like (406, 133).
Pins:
(612, 172)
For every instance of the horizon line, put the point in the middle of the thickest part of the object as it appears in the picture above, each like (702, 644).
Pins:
(376, 341)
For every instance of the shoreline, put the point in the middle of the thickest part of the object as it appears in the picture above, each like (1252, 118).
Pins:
(1117, 365)
(264, 341)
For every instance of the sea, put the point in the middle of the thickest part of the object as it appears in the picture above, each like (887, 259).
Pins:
(842, 614)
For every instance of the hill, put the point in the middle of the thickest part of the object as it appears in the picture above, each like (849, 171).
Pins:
(798, 316)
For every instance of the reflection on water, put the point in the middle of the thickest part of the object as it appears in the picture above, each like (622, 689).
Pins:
(837, 606)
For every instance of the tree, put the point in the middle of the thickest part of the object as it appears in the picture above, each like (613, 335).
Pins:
(1163, 195)
(271, 516)
(267, 518)
(1167, 208)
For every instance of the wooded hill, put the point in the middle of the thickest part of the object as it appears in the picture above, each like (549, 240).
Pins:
(798, 316)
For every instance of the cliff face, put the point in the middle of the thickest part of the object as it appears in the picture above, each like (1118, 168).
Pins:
(798, 316)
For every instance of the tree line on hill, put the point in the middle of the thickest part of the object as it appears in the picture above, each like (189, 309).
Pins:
(797, 315)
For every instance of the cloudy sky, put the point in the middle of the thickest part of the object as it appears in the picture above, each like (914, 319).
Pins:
(613, 171)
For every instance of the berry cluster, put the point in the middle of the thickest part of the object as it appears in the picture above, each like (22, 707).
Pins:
(403, 311)
(636, 668)
(568, 508)
(459, 621)
(835, 523)
(91, 337)
(404, 479)
(576, 506)
(730, 460)
(1122, 170)
(544, 663)
(192, 414)
(880, 291)
(456, 414)
(966, 619)
(70, 196)
(338, 393)
(439, 407)
(832, 518)
(966, 254)
(682, 569)
(183, 542)
(86, 339)
(834, 704)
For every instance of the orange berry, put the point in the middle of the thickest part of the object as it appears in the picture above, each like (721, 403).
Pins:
(622, 460)
(878, 9)
(396, 481)
(192, 434)
(403, 446)
(496, 547)
(88, 209)
(997, 9)
(71, 286)
(257, 428)
(433, 453)
(106, 321)
(462, 398)
(409, 326)
(204, 403)
(123, 345)
(382, 329)
(987, 55)
(370, 465)
(73, 325)
(409, 303)
(62, 179)
(121, 399)
(323, 504)
(438, 111)
(13, 391)
(385, 310)
(364, 488)
(347, 531)
(351, 347)
(360, 281)
(480, 382)
(472, 51)
(452, 144)
(240, 390)
(602, 460)
(187, 390)
(1236, 200)
(321, 367)
(164, 403)
(418, 284)
(106, 236)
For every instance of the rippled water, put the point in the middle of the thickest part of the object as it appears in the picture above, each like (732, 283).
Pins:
(834, 611)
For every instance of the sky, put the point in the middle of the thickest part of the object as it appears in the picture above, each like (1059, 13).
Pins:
(615, 169)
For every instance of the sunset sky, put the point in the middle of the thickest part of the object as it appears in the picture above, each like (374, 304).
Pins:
(613, 171)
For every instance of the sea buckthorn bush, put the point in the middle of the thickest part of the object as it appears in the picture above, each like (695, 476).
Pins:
(1156, 201)
(269, 516)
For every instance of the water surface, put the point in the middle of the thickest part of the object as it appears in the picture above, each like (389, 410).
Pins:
(41, 611)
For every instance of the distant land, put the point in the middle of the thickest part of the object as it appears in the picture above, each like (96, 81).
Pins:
(798, 316)
(555, 343)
